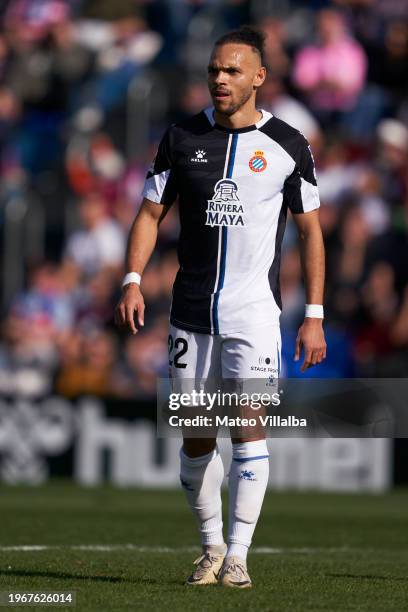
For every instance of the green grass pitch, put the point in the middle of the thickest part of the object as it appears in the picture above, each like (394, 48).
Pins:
(312, 551)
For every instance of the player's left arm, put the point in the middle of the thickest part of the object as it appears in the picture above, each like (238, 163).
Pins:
(311, 335)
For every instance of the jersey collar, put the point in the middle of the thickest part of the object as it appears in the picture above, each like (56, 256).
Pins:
(209, 113)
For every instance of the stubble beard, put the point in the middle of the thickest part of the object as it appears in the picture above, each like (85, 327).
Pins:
(234, 107)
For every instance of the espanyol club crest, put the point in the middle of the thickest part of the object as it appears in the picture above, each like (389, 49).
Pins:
(258, 163)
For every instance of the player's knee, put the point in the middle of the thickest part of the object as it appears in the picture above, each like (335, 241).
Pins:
(247, 515)
(209, 510)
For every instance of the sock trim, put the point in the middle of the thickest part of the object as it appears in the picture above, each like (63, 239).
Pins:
(246, 450)
(242, 459)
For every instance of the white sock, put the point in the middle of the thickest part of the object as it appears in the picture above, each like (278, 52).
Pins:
(248, 479)
(201, 479)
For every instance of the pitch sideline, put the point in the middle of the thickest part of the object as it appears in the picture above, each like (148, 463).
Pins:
(261, 550)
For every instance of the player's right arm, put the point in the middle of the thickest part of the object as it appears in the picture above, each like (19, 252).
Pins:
(141, 242)
(160, 191)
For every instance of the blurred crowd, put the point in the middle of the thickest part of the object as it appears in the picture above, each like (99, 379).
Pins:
(87, 88)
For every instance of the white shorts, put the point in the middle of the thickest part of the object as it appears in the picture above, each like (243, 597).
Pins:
(249, 355)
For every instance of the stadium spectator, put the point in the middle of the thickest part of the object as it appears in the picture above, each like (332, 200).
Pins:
(89, 366)
(391, 162)
(388, 62)
(276, 53)
(145, 358)
(101, 243)
(331, 73)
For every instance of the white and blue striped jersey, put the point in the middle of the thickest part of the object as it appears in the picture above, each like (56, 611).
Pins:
(234, 187)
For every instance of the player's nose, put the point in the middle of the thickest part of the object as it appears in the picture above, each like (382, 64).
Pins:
(220, 78)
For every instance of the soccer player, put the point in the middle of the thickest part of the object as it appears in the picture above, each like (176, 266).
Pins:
(235, 170)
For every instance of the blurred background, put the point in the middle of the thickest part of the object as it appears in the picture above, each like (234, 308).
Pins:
(87, 88)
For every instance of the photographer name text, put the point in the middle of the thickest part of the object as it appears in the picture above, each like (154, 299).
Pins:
(226, 421)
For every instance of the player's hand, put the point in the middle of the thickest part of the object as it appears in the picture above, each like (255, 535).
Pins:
(311, 338)
(130, 303)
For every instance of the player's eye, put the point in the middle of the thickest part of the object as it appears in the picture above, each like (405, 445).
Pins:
(231, 70)
(212, 70)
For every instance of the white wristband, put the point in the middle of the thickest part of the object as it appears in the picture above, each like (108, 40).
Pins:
(132, 277)
(314, 311)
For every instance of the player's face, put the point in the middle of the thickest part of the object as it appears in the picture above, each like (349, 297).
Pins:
(234, 74)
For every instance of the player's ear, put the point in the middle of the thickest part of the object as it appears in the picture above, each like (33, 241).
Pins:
(260, 77)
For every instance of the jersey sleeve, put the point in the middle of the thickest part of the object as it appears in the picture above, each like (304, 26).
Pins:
(160, 184)
(300, 192)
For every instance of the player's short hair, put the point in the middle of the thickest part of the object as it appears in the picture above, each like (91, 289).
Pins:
(246, 35)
